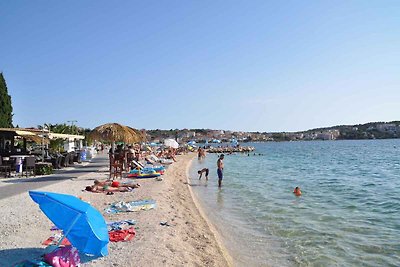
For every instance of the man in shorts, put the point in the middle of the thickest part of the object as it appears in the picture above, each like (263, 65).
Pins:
(220, 169)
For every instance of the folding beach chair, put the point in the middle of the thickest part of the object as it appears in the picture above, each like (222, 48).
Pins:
(137, 165)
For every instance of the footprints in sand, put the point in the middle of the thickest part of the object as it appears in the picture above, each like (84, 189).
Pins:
(171, 248)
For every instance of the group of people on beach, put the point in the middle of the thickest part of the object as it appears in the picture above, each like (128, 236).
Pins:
(220, 171)
(125, 158)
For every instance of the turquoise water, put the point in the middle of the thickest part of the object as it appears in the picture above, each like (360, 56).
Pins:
(348, 215)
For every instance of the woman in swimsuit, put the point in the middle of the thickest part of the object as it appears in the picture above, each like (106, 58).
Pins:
(106, 188)
(114, 184)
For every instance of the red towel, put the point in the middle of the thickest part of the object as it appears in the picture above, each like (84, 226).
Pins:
(122, 235)
(50, 241)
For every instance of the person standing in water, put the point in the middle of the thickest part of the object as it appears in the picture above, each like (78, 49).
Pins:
(199, 153)
(220, 169)
(203, 153)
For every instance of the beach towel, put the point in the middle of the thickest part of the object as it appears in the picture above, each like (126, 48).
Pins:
(120, 225)
(122, 235)
(138, 205)
(63, 257)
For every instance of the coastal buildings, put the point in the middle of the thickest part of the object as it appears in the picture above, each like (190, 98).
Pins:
(373, 130)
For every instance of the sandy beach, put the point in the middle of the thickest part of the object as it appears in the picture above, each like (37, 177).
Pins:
(189, 240)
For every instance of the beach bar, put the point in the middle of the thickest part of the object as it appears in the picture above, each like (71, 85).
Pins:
(9, 144)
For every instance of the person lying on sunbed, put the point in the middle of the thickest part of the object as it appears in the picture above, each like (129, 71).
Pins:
(160, 154)
(106, 189)
(114, 184)
(171, 155)
(150, 160)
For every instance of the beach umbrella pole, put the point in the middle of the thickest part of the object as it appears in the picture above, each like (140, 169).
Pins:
(52, 248)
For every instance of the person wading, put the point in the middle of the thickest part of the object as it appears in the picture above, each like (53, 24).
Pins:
(220, 169)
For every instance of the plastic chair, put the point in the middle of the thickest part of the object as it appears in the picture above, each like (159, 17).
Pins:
(116, 166)
(66, 160)
(30, 165)
(71, 158)
(5, 168)
(58, 161)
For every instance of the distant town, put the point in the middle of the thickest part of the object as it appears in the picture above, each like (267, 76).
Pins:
(372, 130)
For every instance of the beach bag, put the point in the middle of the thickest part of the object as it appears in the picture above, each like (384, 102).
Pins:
(63, 257)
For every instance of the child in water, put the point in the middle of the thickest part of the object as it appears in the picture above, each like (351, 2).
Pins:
(297, 191)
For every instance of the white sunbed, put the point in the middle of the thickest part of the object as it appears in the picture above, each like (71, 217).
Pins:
(162, 161)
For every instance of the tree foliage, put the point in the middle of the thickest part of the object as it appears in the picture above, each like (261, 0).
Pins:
(5, 105)
(63, 128)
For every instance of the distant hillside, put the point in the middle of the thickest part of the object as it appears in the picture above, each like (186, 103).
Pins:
(370, 130)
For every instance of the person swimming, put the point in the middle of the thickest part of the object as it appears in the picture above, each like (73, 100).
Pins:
(297, 191)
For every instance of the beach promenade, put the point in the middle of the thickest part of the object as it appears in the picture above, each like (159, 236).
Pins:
(186, 240)
(14, 186)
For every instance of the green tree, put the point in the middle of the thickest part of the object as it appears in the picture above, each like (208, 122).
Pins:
(5, 105)
(57, 144)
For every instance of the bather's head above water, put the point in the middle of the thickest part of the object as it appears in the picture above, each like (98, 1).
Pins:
(297, 191)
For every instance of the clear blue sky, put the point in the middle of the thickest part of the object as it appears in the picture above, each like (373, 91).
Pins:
(238, 65)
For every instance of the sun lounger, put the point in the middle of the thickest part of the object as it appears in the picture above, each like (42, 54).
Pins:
(166, 161)
(150, 161)
(162, 160)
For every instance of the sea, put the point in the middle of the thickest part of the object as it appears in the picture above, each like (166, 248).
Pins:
(348, 214)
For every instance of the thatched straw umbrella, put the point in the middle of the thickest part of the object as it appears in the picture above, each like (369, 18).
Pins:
(114, 132)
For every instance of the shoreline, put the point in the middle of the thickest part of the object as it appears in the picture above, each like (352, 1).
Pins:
(200, 208)
(187, 241)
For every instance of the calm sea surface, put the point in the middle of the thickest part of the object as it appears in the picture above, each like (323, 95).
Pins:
(348, 215)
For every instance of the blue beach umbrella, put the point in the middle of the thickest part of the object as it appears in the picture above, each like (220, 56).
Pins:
(83, 225)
